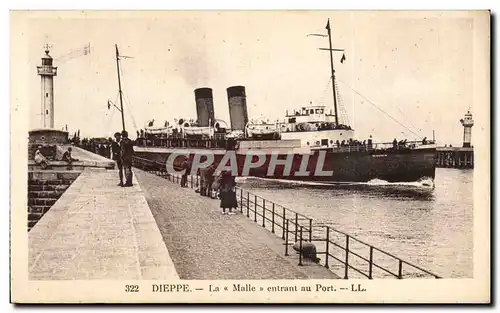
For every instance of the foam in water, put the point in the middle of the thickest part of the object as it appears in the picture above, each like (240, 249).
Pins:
(425, 183)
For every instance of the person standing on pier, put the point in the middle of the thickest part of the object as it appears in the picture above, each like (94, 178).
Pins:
(127, 151)
(210, 179)
(116, 156)
(227, 193)
(186, 166)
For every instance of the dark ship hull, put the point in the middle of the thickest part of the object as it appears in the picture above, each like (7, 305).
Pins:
(392, 165)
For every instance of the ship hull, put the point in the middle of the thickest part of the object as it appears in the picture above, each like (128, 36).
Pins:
(405, 165)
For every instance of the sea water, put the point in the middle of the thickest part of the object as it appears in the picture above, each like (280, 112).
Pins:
(430, 226)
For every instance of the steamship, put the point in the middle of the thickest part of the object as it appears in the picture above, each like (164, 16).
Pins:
(309, 137)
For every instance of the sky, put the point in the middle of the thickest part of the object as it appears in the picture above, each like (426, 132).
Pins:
(418, 68)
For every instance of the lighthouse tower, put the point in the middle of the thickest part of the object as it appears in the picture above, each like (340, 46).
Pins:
(47, 72)
(467, 123)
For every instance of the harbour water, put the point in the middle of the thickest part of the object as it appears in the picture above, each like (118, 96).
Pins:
(432, 228)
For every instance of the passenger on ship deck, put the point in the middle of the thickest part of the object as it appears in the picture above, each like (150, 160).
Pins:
(395, 143)
(127, 152)
(116, 156)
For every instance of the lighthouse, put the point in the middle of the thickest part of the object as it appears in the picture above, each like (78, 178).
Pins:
(47, 72)
(467, 123)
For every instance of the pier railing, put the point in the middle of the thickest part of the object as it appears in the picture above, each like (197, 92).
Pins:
(344, 254)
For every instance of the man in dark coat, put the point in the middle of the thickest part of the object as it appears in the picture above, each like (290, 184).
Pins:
(186, 166)
(127, 151)
(116, 156)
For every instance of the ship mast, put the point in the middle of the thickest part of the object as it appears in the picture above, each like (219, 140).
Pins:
(333, 72)
(120, 86)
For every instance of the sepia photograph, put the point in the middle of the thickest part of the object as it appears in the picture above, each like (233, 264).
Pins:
(250, 156)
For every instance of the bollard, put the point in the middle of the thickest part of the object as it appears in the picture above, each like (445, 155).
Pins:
(300, 247)
(327, 246)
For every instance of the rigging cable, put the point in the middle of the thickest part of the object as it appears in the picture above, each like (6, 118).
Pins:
(343, 111)
(366, 99)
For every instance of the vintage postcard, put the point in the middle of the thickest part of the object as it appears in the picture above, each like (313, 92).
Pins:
(250, 156)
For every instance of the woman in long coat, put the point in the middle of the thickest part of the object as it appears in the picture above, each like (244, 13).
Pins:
(227, 193)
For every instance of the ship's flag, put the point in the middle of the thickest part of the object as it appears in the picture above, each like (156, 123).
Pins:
(342, 60)
(328, 25)
(109, 105)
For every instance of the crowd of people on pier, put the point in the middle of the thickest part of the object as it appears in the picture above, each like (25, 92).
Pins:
(214, 185)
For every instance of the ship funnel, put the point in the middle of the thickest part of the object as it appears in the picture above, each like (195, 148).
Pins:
(237, 107)
(204, 106)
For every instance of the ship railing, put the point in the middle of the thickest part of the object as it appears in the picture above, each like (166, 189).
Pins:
(373, 147)
(342, 253)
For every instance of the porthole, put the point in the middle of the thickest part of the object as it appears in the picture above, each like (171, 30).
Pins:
(308, 143)
(42, 138)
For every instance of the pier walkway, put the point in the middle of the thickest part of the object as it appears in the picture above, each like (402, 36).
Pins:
(204, 244)
(153, 230)
(98, 230)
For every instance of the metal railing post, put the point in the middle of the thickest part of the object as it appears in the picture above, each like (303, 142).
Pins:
(255, 208)
(283, 228)
(300, 247)
(248, 204)
(272, 225)
(310, 229)
(241, 200)
(296, 225)
(327, 246)
(400, 270)
(264, 213)
(286, 238)
(370, 265)
(346, 274)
